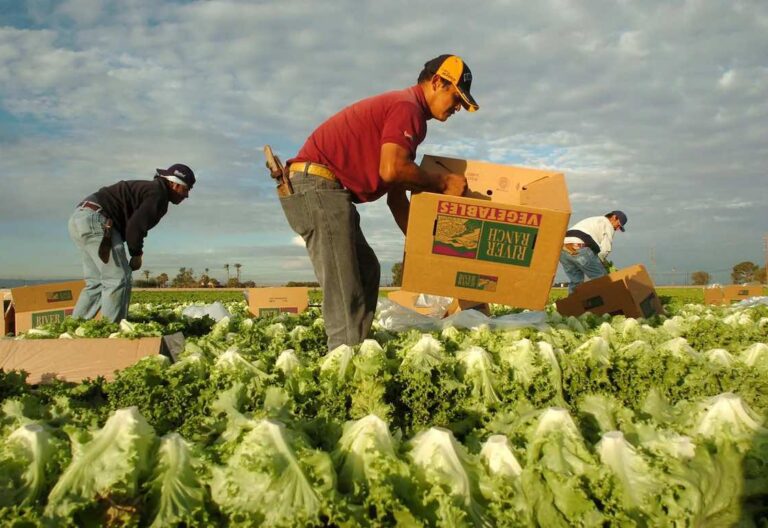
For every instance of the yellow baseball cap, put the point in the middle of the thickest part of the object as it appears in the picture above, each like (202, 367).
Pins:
(454, 70)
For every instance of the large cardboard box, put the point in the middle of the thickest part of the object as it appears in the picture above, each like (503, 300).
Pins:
(731, 293)
(32, 306)
(270, 301)
(500, 243)
(77, 359)
(628, 291)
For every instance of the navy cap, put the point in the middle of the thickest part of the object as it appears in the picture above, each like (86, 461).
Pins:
(178, 173)
(620, 216)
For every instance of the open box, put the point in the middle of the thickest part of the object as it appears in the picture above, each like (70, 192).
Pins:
(500, 243)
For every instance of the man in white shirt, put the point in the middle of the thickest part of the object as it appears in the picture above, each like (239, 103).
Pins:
(587, 245)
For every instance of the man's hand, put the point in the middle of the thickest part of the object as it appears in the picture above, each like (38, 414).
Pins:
(455, 184)
(135, 263)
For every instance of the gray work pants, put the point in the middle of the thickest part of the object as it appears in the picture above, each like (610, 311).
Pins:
(107, 286)
(322, 213)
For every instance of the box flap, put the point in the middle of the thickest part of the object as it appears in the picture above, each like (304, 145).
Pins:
(74, 359)
(46, 296)
(506, 183)
(418, 302)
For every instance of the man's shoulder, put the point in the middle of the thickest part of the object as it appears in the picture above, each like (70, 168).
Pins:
(147, 189)
(406, 98)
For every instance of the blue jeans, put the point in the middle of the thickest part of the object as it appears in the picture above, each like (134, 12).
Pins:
(322, 213)
(585, 262)
(107, 286)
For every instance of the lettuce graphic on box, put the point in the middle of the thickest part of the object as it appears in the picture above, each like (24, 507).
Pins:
(457, 237)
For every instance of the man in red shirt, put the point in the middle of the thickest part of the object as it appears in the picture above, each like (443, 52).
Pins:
(358, 155)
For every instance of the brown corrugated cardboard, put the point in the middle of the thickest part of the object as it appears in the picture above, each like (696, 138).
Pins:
(420, 303)
(731, 293)
(500, 243)
(74, 359)
(33, 306)
(713, 295)
(629, 291)
(270, 301)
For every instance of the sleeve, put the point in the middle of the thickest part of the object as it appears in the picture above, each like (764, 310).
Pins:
(606, 241)
(149, 213)
(404, 126)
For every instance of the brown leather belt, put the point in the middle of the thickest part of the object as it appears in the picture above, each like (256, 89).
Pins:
(572, 248)
(90, 205)
(315, 169)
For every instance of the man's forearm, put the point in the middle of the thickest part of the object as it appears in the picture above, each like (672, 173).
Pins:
(400, 207)
(396, 167)
(413, 178)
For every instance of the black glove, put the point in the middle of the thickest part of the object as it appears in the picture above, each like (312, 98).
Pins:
(135, 262)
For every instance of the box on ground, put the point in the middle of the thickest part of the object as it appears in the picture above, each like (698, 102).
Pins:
(33, 306)
(731, 293)
(499, 243)
(74, 360)
(628, 291)
(271, 301)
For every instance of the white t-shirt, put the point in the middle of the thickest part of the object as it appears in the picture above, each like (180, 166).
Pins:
(600, 229)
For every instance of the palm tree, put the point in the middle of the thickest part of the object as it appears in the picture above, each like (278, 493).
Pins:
(146, 273)
(237, 267)
(226, 267)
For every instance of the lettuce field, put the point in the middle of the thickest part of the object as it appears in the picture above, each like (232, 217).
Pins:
(594, 421)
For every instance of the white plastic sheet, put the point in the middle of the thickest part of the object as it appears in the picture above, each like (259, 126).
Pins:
(752, 301)
(397, 318)
(215, 311)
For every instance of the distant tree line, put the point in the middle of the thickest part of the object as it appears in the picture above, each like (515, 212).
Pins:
(743, 272)
(186, 278)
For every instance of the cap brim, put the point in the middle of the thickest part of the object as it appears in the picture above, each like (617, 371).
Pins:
(468, 102)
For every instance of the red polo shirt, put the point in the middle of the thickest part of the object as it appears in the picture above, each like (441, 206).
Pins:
(349, 143)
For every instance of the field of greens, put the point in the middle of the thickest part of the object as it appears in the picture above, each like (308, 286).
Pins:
(589, 421)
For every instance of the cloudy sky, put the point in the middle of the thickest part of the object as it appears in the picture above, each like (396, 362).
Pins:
(659, 108)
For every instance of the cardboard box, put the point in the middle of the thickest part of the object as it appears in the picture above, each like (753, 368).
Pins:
(32, 306)
(731, 293)
(629, 291)
(271, 301)
(77, 359)
(500, 243)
